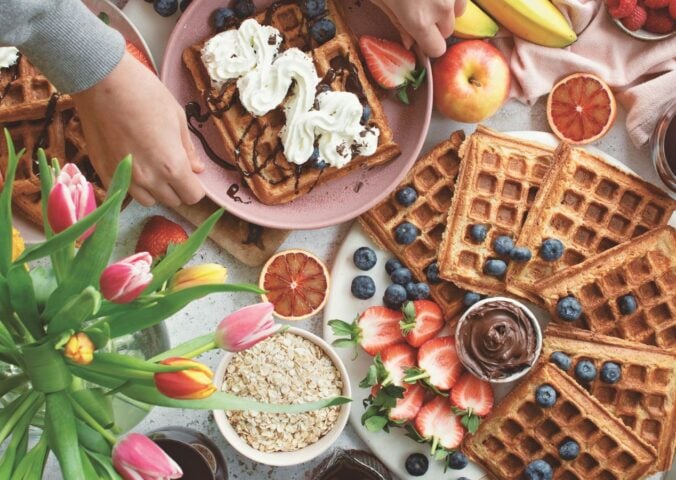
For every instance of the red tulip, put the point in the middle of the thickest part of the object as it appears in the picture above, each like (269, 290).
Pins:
(190, 384)
(246, 327)
(71, 199)
(123, 281)
(136, 457)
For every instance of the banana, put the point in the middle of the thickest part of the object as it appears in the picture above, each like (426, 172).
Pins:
(537, 21)
(474, 23)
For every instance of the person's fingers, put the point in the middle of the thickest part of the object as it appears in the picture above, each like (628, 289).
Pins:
(446, 26)
(165, 194)
(429, 39)
(141, 195)
(460, 7)
(189, 189)
(195, 162)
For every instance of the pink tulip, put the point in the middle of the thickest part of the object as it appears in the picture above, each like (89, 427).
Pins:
(246, 327)
(136, 457)
(123, 281)
(71, 199)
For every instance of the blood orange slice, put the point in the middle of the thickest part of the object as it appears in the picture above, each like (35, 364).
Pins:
(297, 284)
(581, 109)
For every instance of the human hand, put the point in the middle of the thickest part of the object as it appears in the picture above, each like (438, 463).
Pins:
(427, 22)
(131, 111)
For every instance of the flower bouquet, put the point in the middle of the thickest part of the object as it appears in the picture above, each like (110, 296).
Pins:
(56, 319)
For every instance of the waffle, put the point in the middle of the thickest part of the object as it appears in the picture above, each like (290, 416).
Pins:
(590, 206)
(519, 431)
(499, 178)
(433, 177)
(644, 267)
(254, 143)
(645, 396)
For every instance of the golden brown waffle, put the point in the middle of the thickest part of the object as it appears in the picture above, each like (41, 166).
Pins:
(519, 431)
(644, 267)
(253, 142)
(645, 396)
(499, 178)
(433, 177)
(590, 206)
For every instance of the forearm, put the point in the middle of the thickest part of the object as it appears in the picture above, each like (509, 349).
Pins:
(69, 44)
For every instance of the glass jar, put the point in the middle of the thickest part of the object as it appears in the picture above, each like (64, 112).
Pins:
(663, 146)
(351, 465)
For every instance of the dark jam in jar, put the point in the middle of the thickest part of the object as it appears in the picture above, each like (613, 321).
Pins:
(670, 145)
(351, 465)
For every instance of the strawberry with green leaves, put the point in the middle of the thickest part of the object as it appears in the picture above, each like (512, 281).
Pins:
(471, 398)
(375, 329)
(437, 425)
(423, 320)
(438, 365)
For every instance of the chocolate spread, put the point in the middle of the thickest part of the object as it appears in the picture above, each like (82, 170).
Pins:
(496, 340)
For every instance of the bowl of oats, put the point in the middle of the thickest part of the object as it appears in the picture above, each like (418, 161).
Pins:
(294, 366)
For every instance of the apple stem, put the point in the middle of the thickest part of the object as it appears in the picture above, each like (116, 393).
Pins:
(475, 82)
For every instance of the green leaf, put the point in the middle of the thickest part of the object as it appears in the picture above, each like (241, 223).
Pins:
(133, 363)
(91, 439)
(13, 413)
(6, 205)
(371, 377)
(44, 283)
(46, 368)
(418, 78)
(189, 349)
(31, 466)
(22, 297)
(375, 423)
(402, 94)
(46, 184)
(62, 435)
(11, 456)
(87, 466)
(104, 466)
(99, 335)
(97, 404)
(76, 311)
(10, 383)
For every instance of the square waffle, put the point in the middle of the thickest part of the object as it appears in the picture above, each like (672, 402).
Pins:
(590, 206)
(433, 177)
(645, 268)
(253, 142)
(499, 178)
(645, 396)
(519, 431)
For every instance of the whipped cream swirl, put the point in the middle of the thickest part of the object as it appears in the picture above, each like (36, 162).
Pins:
(8, 56)
(251, 55)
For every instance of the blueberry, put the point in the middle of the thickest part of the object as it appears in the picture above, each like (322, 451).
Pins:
(627, 304)
(244, 8)
(401, 276)
(545, 395)
(611, 372)
(166, 8)
(538, 470)
(363, 287)
(457, 460)
(551, 249)
(222, 18)
(313, 8)
(184, 4)
(407, 196)
(470, 299)
(495, 267)
(520, 254)
(478, 232)
(406, 233)
(561, 360)
(392, 264)
(432, 273)
(417, 464)
(585, 371)
(323, 30)
(569, 450)
(503, 245)
(569, 308)
(366, 114)
(364, 258)
(417, 291)
(395, 296)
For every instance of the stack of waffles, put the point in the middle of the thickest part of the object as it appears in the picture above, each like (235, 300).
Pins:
(37, 116)
(253, 141)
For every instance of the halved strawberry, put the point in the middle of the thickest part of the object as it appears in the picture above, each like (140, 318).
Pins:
(158, 235)
(139, 55)
(388, 367)
(436, 424)
(471, 398)
(422, 321)
(407, 408)
(391, 65)
(375, 329)
(438, 364)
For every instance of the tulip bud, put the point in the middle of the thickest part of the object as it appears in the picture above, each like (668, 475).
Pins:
(18, 245)
(190, 384)
(80, 349)
(246, 327)
(71, 199)
(123, 281)
(207, 274)
(136, 457)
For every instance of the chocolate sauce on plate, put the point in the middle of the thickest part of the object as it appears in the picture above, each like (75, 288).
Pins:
(232, 193)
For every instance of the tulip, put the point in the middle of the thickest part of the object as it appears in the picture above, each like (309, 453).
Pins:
(191, 384)
(123, 281)
(246, 327)
(207, 274)
(71, 199)
(136, 457)
(18, 245)
(80, 349)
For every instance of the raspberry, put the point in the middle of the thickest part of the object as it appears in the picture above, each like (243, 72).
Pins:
(636, 19)
(621, 8)
(672, 9)
(656, 3)
(659, 21)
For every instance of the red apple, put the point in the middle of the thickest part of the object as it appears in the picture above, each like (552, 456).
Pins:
(471, 81)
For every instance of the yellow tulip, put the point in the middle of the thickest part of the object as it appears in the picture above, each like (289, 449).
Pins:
(80, 349)
(207, 274)
(18, 245)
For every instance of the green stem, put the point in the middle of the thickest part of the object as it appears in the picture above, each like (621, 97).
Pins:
(189, 349)
(10, 383)
(91, 421)
(28, 402)
(19, 330)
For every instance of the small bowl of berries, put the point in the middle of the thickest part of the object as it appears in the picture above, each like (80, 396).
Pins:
(648, 20)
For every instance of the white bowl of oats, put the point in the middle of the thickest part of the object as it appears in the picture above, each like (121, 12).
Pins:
(295, 366)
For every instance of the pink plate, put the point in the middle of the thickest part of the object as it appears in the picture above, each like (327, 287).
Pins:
(336, 201)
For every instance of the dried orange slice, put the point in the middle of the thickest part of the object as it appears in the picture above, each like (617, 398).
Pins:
(297, 284)
(581, 108)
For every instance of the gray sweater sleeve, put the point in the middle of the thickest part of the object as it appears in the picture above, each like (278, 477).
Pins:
(67, 42)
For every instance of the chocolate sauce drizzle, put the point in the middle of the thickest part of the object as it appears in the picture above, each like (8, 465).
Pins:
(49, 118)
(232, 193)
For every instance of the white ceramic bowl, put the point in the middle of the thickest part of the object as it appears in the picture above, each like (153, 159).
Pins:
(531, 317)
(285, 459)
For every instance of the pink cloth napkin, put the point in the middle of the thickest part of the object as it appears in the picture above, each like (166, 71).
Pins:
(642, 74)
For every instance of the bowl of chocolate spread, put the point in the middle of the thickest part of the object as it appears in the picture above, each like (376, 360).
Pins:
(498, 339)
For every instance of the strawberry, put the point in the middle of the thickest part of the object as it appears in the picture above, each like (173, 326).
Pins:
(438, 364)
(656, 3)
(672, 9)
(436, 424)
(422, 321)
(389, 366)
(158, 234)
(636, 19)
(621, 8)
(407, 408)
(375, 329)
(471, 398)
(659, 21)
(139, 55)
(391, 65)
